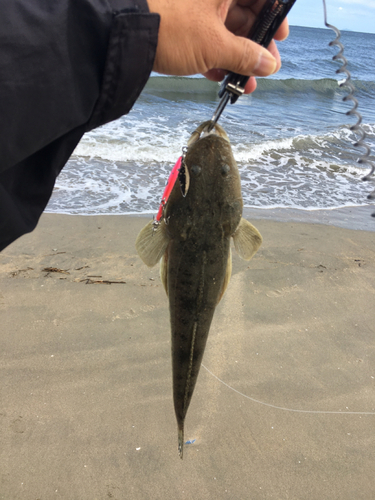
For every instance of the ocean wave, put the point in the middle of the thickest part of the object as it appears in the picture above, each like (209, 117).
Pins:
(304, 171)
(167, 85)
(184, 84)
(322, 86)
(150, 141)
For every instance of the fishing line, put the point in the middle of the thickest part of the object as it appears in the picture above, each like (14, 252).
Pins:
(321, 412)
(364, 158)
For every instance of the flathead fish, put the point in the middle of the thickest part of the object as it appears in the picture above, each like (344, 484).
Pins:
(192, 241)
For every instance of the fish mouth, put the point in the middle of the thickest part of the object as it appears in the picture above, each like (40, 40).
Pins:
(202, 131)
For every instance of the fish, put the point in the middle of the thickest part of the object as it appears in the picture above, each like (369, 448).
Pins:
(192, 242)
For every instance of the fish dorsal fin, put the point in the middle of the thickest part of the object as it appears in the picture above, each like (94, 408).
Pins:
(247, 239)
(151, 243)
(228, 274)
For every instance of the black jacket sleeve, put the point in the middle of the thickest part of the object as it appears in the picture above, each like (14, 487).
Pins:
(66, 67)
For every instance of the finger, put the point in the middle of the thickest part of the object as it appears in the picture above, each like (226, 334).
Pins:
(283, 31)
(215, 75)
(239, 20)
(274, 51)
(243, 56)
(251, 85)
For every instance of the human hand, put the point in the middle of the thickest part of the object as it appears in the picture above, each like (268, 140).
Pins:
(209, 37)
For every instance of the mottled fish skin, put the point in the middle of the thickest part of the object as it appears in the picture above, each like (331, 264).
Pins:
(199, 227)
(194, 242)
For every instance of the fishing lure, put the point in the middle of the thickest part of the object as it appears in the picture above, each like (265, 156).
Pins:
(178, 172)
(364, 158)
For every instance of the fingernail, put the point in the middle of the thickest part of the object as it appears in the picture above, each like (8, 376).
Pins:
(266, 64)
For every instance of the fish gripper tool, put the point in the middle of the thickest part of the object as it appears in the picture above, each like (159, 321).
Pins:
(262, 32)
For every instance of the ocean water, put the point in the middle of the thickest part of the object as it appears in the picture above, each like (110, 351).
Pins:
(290, 137)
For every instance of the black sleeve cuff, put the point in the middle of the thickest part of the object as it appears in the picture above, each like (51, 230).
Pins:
(130, 58)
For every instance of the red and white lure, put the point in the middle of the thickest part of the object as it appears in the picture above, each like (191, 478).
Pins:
(168, 189)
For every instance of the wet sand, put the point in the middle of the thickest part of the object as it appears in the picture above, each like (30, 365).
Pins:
(86, 406)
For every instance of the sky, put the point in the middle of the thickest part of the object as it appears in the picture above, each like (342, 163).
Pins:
(353, 15)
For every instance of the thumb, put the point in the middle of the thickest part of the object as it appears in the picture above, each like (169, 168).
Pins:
(241, 55)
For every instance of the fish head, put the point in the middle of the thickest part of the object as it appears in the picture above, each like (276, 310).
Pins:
(203, 131)
(208, 182)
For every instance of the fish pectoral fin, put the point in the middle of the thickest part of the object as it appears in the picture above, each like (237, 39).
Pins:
(247, 239)
(228, 274)
(151, 243)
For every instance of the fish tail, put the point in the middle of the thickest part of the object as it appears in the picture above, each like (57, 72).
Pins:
(181, 440)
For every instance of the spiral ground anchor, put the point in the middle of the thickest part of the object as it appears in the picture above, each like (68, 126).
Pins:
(364, 159)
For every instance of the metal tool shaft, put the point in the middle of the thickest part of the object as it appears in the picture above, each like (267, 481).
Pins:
(262, 32)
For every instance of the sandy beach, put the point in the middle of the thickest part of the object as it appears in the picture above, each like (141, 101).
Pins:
(284, 407)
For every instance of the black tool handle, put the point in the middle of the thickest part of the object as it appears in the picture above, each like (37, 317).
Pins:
(262, 32)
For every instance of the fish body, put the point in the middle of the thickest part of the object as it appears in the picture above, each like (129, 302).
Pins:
(192, 241)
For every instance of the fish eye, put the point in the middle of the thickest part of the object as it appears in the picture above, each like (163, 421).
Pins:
(225, 169)
(184, 179)
(195, 170)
